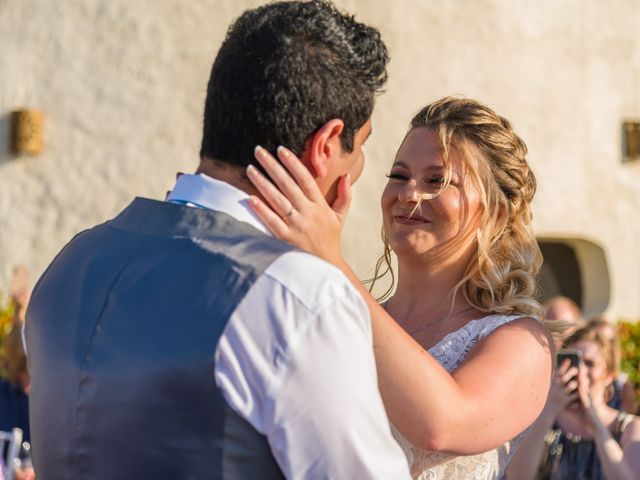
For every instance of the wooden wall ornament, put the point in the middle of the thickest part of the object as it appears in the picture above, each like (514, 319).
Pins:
(27, 131)
(630, 141)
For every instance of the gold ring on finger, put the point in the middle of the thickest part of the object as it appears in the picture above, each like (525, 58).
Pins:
(290, 212)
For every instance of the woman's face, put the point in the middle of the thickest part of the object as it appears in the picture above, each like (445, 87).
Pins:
(596, 365)
(418, 169)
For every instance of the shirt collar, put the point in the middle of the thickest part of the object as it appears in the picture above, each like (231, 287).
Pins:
(205, 192)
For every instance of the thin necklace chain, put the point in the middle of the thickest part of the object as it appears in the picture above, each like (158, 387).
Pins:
(438, 320)
(433, 322)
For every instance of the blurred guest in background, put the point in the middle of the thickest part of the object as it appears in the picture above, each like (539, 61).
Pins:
(562, 308)
(14, 403)
(578, 436)
(14, 388)
(568, 315)
(623, 396)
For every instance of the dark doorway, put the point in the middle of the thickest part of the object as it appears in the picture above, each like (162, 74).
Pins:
(560, 272)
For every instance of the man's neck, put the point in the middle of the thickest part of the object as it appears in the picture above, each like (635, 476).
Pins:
(233, 175)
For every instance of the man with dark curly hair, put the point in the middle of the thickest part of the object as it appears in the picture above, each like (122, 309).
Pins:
(180, 339)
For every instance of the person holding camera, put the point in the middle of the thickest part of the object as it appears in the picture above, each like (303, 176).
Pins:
(578, 436)
(624, 393)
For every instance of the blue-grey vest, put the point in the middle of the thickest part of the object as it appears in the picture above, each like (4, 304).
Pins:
(121, 334)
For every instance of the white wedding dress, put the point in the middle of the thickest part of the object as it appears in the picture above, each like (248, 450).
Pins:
(451, 351)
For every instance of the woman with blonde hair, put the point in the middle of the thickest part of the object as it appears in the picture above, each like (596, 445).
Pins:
(578, 435)
(623, 394)
(464, 361)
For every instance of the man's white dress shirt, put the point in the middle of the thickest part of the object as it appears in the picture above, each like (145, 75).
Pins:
(296, 360)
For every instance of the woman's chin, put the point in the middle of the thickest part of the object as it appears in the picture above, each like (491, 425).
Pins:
(409, 247)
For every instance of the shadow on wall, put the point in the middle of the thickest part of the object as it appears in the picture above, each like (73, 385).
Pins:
(6, 151)
(5, 147)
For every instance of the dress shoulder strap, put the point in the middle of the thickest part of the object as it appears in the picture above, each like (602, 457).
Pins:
(490, 323)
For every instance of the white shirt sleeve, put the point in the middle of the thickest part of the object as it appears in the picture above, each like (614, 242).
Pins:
(297, 362)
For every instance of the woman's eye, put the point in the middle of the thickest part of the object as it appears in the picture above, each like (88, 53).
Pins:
(436, 180)
(396, 176)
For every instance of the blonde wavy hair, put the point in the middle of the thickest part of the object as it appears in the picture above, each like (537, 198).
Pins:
(500, 277)
(599, 323)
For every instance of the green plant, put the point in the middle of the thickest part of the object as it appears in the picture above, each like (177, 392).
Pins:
(630, 349)
(6, 322)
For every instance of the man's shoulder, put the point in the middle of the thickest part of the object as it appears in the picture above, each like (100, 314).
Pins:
(311, 280)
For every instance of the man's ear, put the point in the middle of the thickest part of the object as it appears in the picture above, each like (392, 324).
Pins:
(323, 146)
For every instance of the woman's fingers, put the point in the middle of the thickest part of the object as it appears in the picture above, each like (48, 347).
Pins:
(271, 219)
(281, 177)
(300, 173)
(565, 366)
(570, 387)
(299, 214)
(573, 397)
(278, 202)
(569, 374)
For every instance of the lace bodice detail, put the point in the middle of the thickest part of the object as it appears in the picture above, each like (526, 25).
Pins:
(451, 352)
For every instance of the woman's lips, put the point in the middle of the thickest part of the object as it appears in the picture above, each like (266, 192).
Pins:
(410, 220)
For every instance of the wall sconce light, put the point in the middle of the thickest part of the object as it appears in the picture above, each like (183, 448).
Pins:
(630, 141)
(26, 131)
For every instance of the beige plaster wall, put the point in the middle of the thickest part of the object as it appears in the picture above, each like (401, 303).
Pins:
(122, 83)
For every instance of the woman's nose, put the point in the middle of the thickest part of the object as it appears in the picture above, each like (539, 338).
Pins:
(409, 192)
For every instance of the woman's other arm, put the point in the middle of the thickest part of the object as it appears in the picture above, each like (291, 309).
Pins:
(619, 461)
